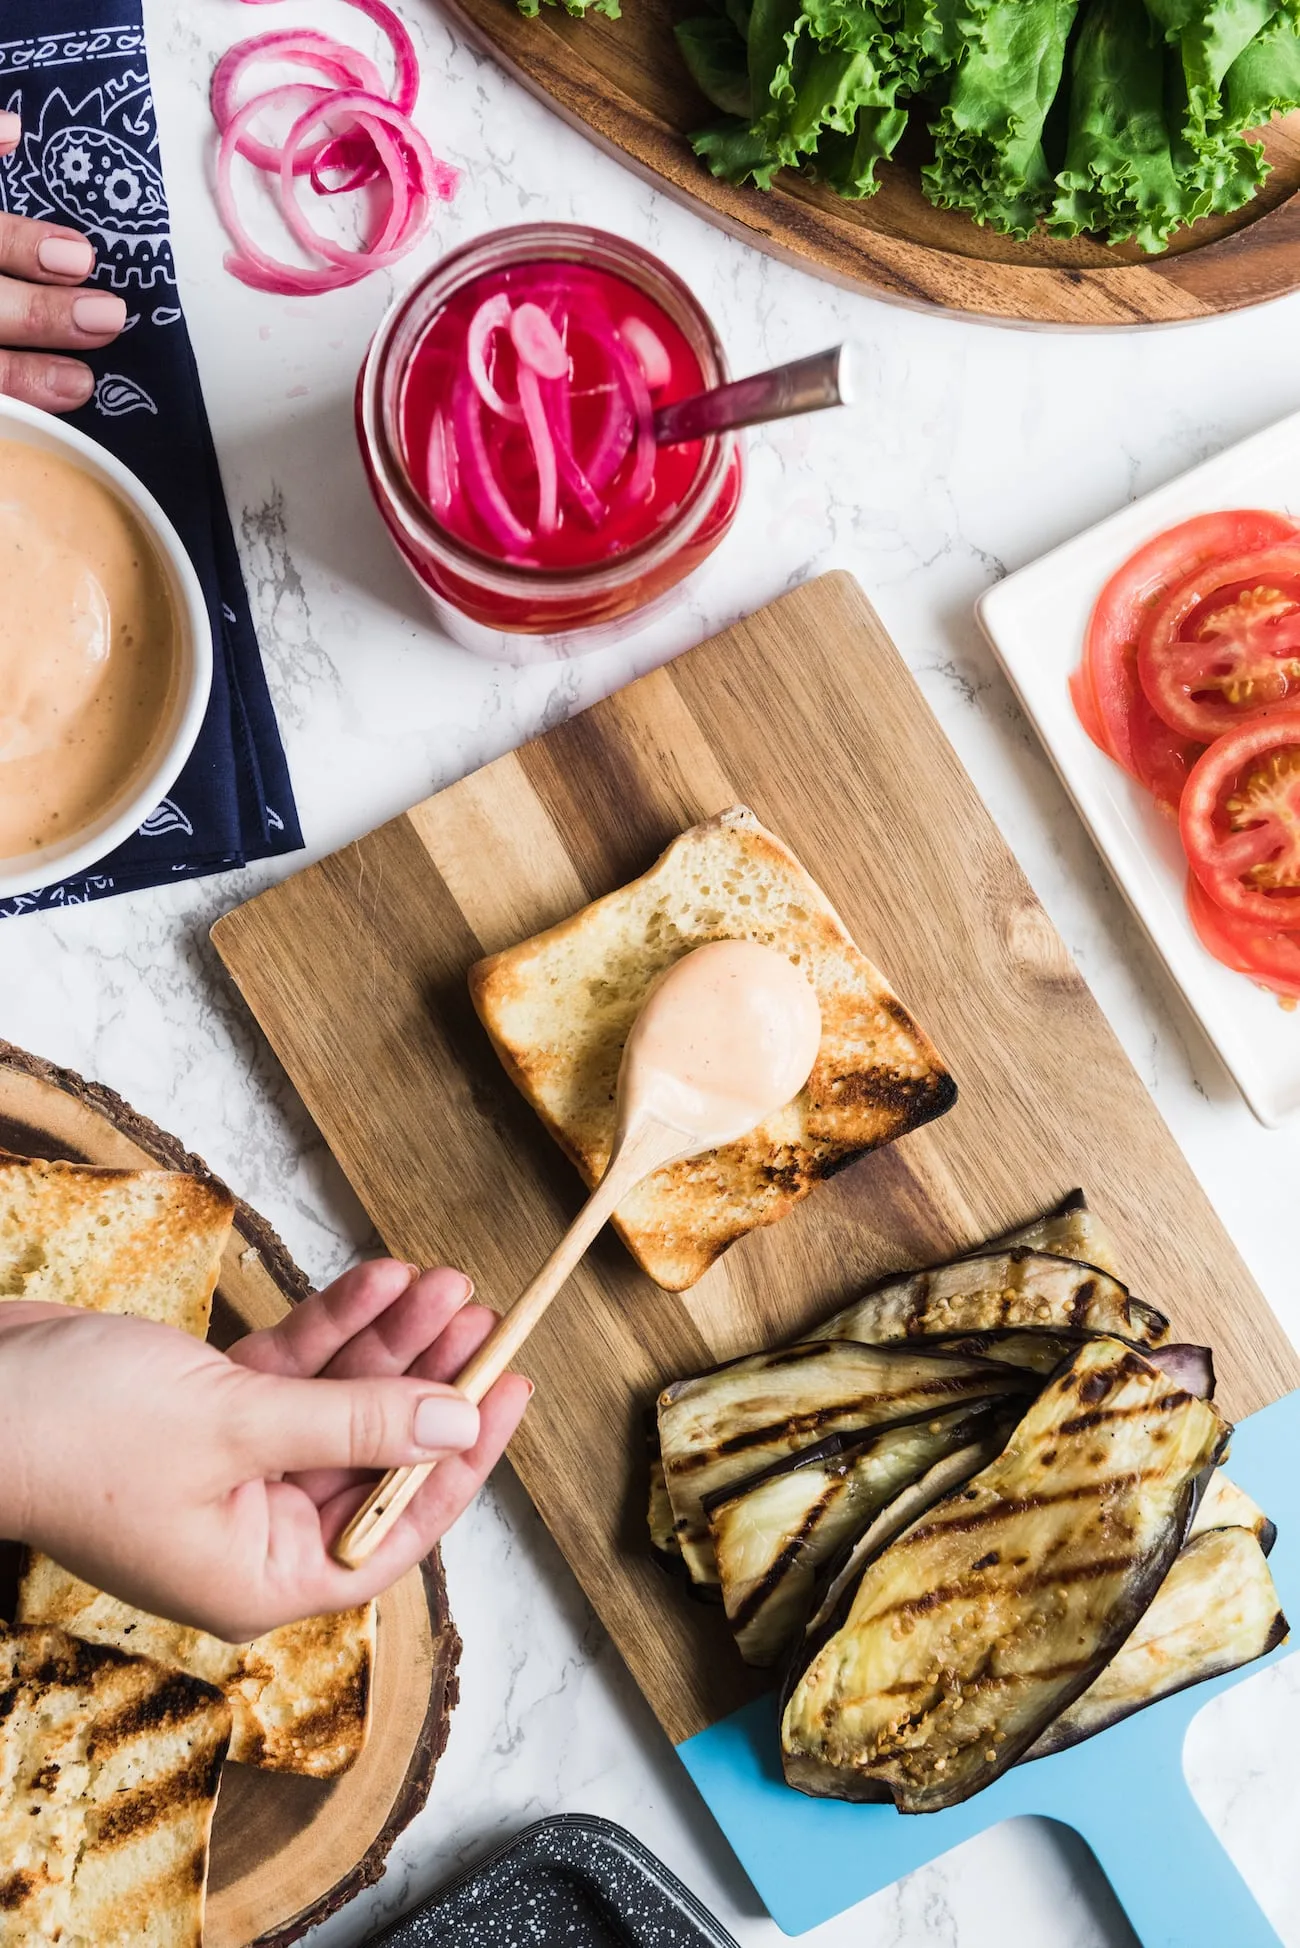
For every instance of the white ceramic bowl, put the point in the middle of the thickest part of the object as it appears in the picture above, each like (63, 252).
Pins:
(145, 788)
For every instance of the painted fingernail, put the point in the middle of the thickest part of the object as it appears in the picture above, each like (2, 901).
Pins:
(531, 1389)
(11, 128)
(445, 1421)
(98, 313)
(66, 257)
(70, 382)
(414, 1270)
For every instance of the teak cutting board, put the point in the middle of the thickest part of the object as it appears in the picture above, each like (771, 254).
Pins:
(624, 84)
(356, 970)
(286, 1852)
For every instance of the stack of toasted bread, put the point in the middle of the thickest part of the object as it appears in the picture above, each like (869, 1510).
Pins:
(113, 1724)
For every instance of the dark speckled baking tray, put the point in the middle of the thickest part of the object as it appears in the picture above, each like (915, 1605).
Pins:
(568, 1882)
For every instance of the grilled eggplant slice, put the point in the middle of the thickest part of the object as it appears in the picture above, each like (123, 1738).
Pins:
(986, 1619)
(775, 1531)
(1225, 1506)
(1001, 1291)
(1216, 1610)
(1040, 1352)
(659, 1509)
(722, 1426)
(1190, 1367)
(1071, 1230)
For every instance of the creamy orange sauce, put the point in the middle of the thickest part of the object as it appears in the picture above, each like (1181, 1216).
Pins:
(88, 664)
(727, 1036)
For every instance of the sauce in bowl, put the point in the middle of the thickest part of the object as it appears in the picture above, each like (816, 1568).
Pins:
(88, 649)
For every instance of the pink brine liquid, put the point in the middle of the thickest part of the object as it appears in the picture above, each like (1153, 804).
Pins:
(525, 416)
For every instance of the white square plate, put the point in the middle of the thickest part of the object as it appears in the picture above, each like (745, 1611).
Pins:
(1035, 622)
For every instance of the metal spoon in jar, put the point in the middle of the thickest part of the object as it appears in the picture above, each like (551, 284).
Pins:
(804, 386)
(726, 1037)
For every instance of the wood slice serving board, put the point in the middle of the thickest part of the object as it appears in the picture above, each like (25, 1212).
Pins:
(286, 1852)
(356, 970)
(623, 83)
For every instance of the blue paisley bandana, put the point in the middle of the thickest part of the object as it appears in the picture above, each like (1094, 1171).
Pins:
(76, 72)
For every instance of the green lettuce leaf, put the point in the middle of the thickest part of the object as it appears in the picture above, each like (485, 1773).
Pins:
(737, 153)
(610, 8)
(848, 162)
(1209, 35)
(1119, 179)
(1264, 79)
(718, 60)
(989, 156)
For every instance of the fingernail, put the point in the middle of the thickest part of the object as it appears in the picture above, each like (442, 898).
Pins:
(70, 382)
(66, 257)
(414, 1270)
(531, 1389)
(99, 312)
(11, 128)
(447, 1422)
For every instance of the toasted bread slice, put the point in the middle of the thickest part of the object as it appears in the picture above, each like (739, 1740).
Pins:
(300, 1695)
(109, 1769)
(147, 1242)
(559, 1007)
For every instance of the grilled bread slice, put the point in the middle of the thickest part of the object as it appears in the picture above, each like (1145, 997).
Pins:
(559, 1007)
(147, 1242)
(300, 1695)
(109, 1769)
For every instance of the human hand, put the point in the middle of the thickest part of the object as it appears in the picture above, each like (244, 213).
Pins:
(207, 1487)
(41, 264)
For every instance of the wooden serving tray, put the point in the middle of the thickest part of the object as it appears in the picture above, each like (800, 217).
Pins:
(287, 1852)
(356, 970)
(623, 83)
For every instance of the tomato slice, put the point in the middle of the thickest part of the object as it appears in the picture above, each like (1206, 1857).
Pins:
(1240, 819)
(1131, 731)
(1225, 642)
(1269, 955)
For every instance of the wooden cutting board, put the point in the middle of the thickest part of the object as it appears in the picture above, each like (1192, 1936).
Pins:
(356, 970)
(286, 1852)
(623, 83)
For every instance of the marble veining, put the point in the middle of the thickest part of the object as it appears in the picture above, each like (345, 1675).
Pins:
(974, 449)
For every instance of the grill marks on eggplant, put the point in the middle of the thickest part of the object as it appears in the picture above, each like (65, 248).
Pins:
(774, 1533)
(716, 1430)
(1216, 1610)
(998, 1292)
(982, 1622)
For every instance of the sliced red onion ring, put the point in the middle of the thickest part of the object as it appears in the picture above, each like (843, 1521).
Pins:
(341, 65)
(492, 315)
(410, 199)
(648, 349)
(255, 266)
(481, 484)
(442, 465)
(543, 445)
(406, 67)
(538, 343)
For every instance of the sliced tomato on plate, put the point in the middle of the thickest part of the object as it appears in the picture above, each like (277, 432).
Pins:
(1269, 955)
(1240, 819)
(1107, 692)
(1225, 642)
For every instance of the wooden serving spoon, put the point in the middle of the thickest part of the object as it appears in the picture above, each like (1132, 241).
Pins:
(727, 1036)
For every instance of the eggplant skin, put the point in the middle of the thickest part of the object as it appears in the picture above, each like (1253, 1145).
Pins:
(1225, 1506)
(997, 1292)
(1216, 1610)
(774, 1533)
(719, 1428)
(985, 1620)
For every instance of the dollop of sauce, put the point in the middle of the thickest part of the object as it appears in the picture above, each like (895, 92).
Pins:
(88, 663)
(726, 1037)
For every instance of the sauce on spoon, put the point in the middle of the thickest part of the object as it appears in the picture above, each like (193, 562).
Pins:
(726, 1037)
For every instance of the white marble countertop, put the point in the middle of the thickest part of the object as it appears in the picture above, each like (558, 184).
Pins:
(974, 449)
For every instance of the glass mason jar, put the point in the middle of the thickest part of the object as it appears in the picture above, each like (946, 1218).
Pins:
(511, 611)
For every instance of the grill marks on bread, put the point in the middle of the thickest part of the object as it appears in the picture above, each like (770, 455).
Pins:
(109, 1771)
(300, 1695)
(559, 1008)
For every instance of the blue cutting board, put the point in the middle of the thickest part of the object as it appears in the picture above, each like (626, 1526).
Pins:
(1123, 1791)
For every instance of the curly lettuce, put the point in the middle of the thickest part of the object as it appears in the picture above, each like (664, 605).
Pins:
(988, 139)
